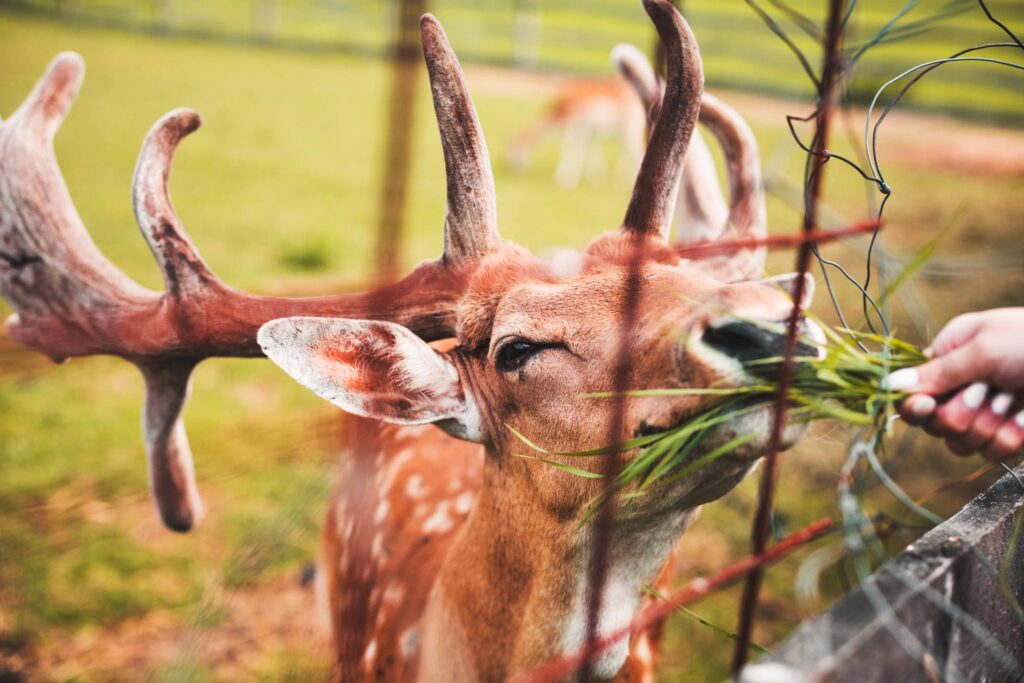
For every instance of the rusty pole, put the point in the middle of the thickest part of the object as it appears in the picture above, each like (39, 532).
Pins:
(830, 73)
(405, 61)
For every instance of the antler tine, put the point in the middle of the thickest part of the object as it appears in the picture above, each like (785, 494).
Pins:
(747, 213)
(634, 66)
(51, 272)
(471, 223)
(704, 215)
(171, 468)
(172, 475)
(702, 210)
(185, 273)
(654, 195)
(51, 99)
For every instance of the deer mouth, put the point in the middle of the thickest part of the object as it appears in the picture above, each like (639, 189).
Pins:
(746, 417)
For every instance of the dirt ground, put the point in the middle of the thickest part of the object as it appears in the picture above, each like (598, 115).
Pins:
(248, 627)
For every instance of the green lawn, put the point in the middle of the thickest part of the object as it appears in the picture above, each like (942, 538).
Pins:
(279, 191)
(558, 35)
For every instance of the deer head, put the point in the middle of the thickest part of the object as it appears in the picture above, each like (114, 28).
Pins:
(533, 344)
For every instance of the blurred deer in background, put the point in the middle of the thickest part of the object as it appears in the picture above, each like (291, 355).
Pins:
(583, 115)
(445, 557)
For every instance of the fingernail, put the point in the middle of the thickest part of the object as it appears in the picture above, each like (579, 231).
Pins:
(922, 406)
(974, 395)
(1001, 403)
(900, 380)
(1019, 419)
(928, 352)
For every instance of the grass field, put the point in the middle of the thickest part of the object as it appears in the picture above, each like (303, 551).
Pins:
(558, 35)
(279, 191)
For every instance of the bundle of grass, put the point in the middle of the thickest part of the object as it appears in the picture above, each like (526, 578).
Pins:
(844, 384)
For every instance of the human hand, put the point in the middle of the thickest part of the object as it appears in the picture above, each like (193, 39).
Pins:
(970, 392)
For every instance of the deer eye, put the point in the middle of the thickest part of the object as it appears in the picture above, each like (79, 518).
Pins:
(513, 355)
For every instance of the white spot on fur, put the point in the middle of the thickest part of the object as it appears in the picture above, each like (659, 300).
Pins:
(454, 485)
(395, 467)
(381, 513)
(464, 502)
(414, 487)
(409, 641)
(439, 522)
(393, 594)
(371, 652)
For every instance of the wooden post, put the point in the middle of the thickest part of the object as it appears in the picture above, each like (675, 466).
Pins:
(406, 62)
(526, 52)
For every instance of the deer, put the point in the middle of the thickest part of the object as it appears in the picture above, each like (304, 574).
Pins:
(581, 114)
(444, 555)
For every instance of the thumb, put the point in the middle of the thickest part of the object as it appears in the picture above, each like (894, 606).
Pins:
(958, 332)
(945, 373)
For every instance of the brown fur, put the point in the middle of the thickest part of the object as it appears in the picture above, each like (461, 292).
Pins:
(485, 596)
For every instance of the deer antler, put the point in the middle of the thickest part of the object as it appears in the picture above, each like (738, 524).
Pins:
(471, 220)
(704, 214)
(701, 207)
(747, 216)
(657, 184)
(69, 300)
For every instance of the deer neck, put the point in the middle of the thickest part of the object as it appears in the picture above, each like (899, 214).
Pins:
(513, 590)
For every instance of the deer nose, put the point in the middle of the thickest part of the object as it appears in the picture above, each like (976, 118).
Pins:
(748, 341)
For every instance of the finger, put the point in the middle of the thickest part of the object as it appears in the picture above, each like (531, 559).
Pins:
(1008, 439)
(944, 373)
(958, 332)
(955, 417)
(917, 409)
(980, 433)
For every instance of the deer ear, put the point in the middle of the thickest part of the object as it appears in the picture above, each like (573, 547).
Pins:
(787, 283)
(374, 369)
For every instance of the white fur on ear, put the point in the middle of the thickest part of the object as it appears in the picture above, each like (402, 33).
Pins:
(371, 368)
(787, 283)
